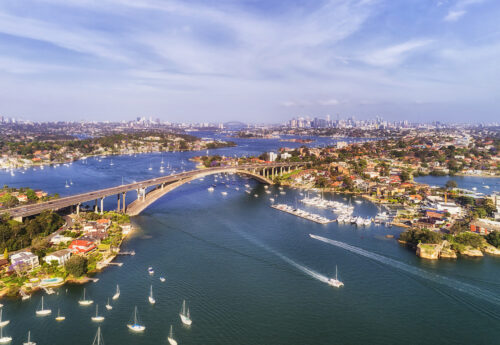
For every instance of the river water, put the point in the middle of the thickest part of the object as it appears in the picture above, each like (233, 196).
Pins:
(253, 275)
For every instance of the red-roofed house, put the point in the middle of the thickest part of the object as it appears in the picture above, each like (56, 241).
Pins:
(81, 246)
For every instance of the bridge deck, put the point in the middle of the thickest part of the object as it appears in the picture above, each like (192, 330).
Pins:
(29, 210)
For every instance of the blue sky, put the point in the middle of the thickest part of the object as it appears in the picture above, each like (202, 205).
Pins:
(253, 60)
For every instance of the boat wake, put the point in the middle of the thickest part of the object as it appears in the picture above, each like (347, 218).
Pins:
(436, 278)
(298, 266)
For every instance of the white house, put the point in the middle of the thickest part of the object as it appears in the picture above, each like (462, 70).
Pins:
(61, 256)
(24, 258)
(60, 239)
(285, 155)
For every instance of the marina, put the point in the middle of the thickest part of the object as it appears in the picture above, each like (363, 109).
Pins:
(302, 214)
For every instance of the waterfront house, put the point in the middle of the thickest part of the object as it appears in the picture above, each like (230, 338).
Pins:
(60, 256)
(27, 259)
(81, 246)
(57, 239)
(484, 226)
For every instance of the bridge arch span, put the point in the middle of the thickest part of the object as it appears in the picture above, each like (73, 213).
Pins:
(139, 205)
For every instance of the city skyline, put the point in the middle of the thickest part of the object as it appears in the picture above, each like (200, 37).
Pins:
(249, 61)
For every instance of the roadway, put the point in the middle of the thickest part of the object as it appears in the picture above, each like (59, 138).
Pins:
(57, 204)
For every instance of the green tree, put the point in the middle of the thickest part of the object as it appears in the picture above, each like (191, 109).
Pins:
(76, 266)
(493, 238)
(451, 184)
(6, 254)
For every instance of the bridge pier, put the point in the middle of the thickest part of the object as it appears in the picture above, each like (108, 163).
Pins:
(78, 209)
(96, 209)
(102, 205)
(118, 206)
(124, 208)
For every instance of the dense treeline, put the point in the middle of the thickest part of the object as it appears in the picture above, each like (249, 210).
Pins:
(15, 235)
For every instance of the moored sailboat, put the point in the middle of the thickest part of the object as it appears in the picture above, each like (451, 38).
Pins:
(184, 314)
(109, 306)
(170, 338)
(3, 323)
(135, 326)
(84, 301)
(29, 342)
(97, 317)
(150, 297)
(60, 317)
(98, 340)
(117, 293)
(4, 339)
(42, 311)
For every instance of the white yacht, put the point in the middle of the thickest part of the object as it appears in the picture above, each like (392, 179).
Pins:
(84, 301)
(66, 185)
(97, 317)
(162, 279)
(335, 282)
(150, 297)
(210, 189)
(42, 311)
(223, 193)
(117, 293)
(184, 314)
(170, 338)
(135, 326)
(29, 342)
(151, 271)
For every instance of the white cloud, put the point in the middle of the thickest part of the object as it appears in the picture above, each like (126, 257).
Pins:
(394, 55)
(459, 10)
(331, 101)
(453, 16)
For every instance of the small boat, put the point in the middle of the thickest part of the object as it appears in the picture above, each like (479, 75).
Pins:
(84, 301)
(335, 282)
(66, 185)
(3, 323)
(271, 199)
(117, 293)
(151, 271)
(358, 201)
(70, 182)
(210, 189)
(170, 338)
(162, 279)
(42, 311)
(474, 188)
(98, 340)
(109, 306)
(256, 195)
(29, 342)
(97, 317)
(151, 298)
(60, 317)
(487, 187)
(136, 326)
(184, 314)
(150, 167)
(4, 340)
(223, 193)
(111, 163)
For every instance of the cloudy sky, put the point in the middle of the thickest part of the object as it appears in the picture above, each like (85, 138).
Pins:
(250, 60)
